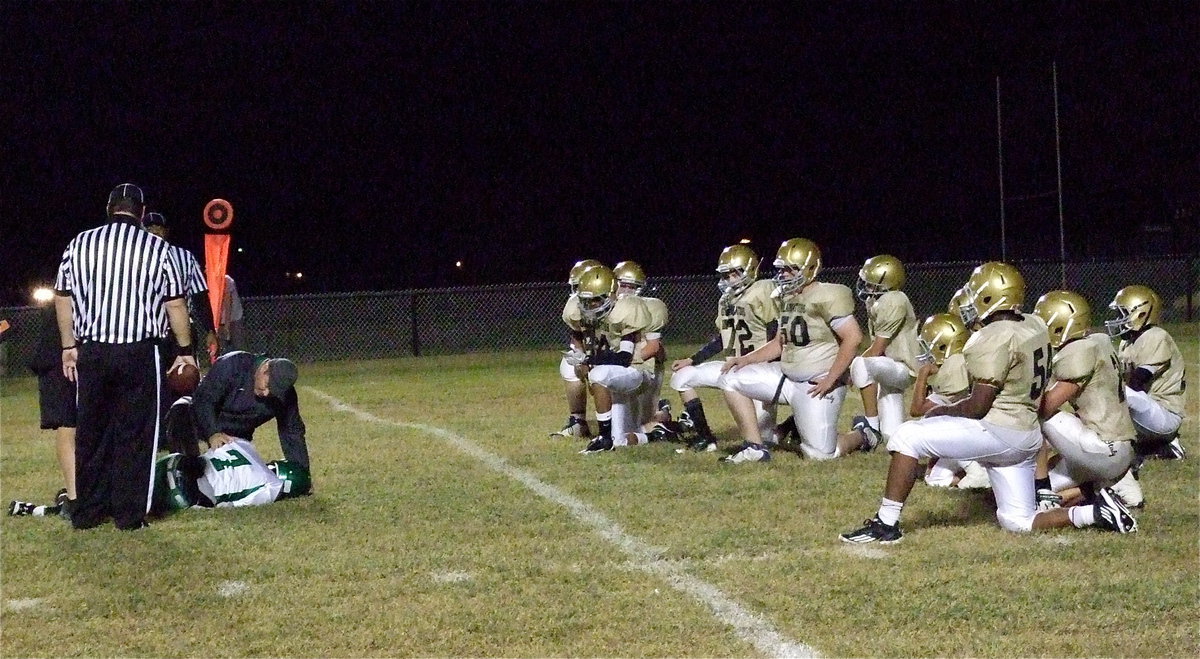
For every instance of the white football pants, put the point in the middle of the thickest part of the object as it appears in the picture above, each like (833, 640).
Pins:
(709, 375)
(893, 378)
(1085, 457)
(1151, 419)
(626, 385)
(816, 418)
(1008, 455)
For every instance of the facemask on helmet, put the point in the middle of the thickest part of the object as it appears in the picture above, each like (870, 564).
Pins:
(738, 267)
(577, 272)
(879, 275)
(1068, 316)
(1136, 307)
(597, 293)
(796, 264)
(992, 287)
(630, 279)
(941, 335)
(296, 479)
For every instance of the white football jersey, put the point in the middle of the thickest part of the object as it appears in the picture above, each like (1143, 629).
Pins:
(235, 475)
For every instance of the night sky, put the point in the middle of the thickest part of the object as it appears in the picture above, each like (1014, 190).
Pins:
(372, 145)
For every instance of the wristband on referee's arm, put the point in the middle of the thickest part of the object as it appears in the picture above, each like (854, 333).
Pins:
(70, 347)
(184, 351)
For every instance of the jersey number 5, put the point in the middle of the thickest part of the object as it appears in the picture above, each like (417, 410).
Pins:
(1041, 372)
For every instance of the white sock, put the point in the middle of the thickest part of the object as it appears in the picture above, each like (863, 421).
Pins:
(889, 511)
(873, 421)
(604, 416)
(1082, 516)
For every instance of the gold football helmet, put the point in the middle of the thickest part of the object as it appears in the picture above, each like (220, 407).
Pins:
(957, 301)
(1067, 315)
(738, 267)
(879, 275)
(1137, 307)
(577, 271)
(992, 287)
(597, 292)
(942, 335)
(796, 264)
(630, 278)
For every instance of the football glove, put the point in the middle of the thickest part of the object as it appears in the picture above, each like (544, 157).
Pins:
(1048, 500)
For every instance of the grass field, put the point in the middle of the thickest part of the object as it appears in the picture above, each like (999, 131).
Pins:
(447, 523)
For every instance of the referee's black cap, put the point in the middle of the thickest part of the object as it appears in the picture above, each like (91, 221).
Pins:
(126, 198)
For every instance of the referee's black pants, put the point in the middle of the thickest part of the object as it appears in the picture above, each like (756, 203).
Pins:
(116, 437)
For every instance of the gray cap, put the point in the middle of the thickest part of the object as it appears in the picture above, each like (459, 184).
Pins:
(154, 219)
(281, 376)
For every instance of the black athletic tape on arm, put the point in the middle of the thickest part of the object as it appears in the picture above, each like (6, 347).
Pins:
(708, 351)
(612, 359)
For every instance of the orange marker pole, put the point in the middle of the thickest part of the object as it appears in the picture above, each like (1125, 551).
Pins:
(218, 217)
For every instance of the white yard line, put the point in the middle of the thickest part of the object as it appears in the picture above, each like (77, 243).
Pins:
(748, 625)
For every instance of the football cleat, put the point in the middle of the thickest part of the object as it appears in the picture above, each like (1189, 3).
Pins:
(870, 436)
(20, 508)
(598, 445)
(686, 422)
(575, 427)
(1130, 490)
(1111, 514)
(1172, 451)
(874, 530)
(703, 445)
(661, 433)
(748, 452)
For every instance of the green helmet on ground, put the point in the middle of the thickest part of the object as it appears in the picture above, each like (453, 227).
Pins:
(296, 479)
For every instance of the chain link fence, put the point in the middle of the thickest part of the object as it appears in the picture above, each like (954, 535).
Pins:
(339, 326)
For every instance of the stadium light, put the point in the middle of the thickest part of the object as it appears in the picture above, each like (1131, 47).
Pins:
(42, 294)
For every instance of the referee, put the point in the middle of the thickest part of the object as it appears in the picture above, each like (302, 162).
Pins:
(115, 287)
(195, 286)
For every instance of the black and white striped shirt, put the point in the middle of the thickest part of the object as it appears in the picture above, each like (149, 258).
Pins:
(193, 277)
(193, 282)
(118, 276)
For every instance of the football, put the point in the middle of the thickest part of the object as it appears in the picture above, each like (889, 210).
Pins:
(183, 381)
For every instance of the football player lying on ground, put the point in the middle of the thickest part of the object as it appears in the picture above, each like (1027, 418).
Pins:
(230, 475)
(241, 392)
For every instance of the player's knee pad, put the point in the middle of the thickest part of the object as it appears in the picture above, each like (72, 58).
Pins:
(681, 380)
(904, 440)
(860, 376)
(566, 371)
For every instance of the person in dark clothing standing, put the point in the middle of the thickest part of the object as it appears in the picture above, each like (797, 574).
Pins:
(194, 284)
(56, 402)
(195, 290)
(241, 392)
(116, 287)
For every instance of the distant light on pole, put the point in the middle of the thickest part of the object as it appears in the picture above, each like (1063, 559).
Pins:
(458, 264)
(42, 294)
(299, 275)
